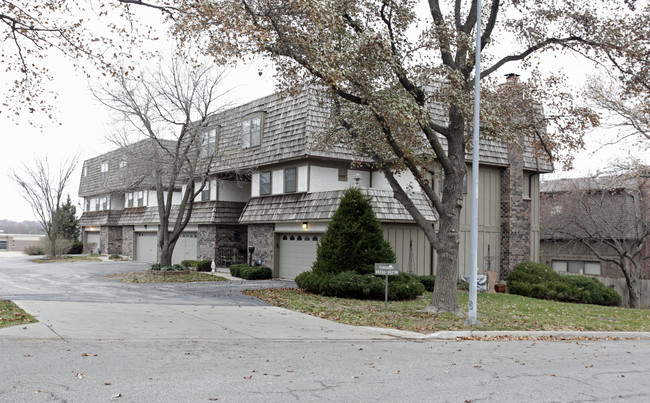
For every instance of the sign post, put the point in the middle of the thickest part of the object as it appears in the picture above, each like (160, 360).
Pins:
(386, 269)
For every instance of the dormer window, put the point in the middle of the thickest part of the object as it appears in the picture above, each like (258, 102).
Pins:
(252, 131)
(85, 170)
(208, 143)
(104, 171)
(129, 200)
(140, 198)
(122, 165)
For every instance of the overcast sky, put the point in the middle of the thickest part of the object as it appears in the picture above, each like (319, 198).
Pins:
(82, 125)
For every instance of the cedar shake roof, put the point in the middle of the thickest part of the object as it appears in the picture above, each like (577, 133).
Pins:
(203, 213)
(320, 206)
(137, 174)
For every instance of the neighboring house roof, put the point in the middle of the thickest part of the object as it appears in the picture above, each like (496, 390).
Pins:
(320, 206)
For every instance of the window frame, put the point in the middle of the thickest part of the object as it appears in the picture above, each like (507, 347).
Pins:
(139, 198)
(206, 191)
(295, 180)
(262, 183)
(104, 170)
(129, 200)
(343, 174)
(247, 132)
(208, 146)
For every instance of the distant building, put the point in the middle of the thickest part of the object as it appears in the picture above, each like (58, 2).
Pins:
(19, 242)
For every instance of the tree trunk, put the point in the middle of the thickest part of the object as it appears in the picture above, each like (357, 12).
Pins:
(633, 293)
(166, 257)
(53, 247)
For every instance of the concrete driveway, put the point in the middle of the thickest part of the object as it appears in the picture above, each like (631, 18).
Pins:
(75, 301)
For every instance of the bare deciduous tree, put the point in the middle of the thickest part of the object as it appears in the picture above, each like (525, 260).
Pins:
(172, 107)
(629, 112)
(609, 215)
(44, 191)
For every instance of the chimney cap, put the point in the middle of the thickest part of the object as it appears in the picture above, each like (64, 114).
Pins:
(511, 76)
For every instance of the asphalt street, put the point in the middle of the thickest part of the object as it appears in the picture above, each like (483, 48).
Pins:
(100, 340)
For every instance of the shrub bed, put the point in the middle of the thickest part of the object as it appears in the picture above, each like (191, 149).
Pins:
(537, 280)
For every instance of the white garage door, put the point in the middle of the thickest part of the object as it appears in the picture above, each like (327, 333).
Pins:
(297, 253)
(147, 251)
(145, 247)
(93, 238)
(186, 247)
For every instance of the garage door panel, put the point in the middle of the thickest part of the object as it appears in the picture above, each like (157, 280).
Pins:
(186, 248)
(146, 249)
(297, 253)
(93, 237)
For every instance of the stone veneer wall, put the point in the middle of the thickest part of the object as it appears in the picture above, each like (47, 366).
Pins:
(127, 240)
(206, 239)
(114, 240)
(103, 239)
(262, 237)
(515, 215)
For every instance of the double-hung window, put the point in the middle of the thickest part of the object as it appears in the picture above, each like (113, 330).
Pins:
(290, 180)
(205, 193)
(265, 183)
(251, 128)
(104, 202)
(104, 171)
(140, 198)
(208, 143)
(129, 200)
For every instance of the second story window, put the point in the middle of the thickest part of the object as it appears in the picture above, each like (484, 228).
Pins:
(265, 183)
(139, 198)
(87, 205)
(290, 180)
(104, 171)
(205, 193)
(96, 204)
(122, 165)
(208, 143)
(252, 131)
(129, 200)
(104, 203)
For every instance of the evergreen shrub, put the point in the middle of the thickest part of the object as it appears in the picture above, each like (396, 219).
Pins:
(204, 265)
(256, 273)
(537, 280)
(236, 268)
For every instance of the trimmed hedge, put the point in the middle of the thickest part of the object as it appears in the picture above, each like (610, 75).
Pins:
(251, 272)
(428, 282)
(351, 284)
(204, 265)
(155, 266)
(537, 280)
(235, 269)
(189, 263)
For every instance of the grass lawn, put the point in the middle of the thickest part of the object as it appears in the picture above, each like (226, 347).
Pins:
(146, 277)
(496, 312)
(11, 315)
(67, 259)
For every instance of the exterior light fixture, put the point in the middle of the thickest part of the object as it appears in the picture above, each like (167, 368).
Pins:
(305, 225)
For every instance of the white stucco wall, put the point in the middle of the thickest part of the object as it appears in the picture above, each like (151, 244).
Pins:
(325, 178)
(233, 191)
(255, 185)
(405, 179)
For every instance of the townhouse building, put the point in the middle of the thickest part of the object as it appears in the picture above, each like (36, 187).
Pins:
(274, 186)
